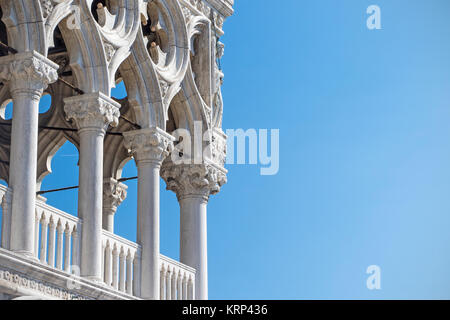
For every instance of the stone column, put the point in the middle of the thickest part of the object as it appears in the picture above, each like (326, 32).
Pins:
(114, 193)
(149, 148)
(92, 113)
(193, 184)
(27, 75)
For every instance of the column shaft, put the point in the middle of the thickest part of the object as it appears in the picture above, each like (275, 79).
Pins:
(193, 185)
(92, 114)
(193, 241)
(108, 220)
(90, 201)
(149, 148)
(23, 163)
(148, 227)
(27, 75)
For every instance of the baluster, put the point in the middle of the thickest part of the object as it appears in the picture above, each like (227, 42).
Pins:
(67, 234)
(43, 253)
(162, 282)
(184, 286)
(37, 218)
(115, 263)
(75, 246)
(6, 220)
(168, 284)
(59, 248)
(179, 285)
(137, 275)
(107, 251)
(190, 288)
(173, 285)
(129, 272)
(103, 260)
(51, 242)
(122, 270)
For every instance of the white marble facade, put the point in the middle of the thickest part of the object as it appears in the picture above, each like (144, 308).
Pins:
(165, 52)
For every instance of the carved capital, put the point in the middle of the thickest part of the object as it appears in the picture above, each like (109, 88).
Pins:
(152, 144)
(193, 180)
(28, 72)
(114, 193)
(92, 111)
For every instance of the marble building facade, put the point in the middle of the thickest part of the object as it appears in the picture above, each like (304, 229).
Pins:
(167, 54)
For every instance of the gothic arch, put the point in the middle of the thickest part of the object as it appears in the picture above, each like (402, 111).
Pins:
(152, 83)
(25, 24)
(50, 141)
(97, 48)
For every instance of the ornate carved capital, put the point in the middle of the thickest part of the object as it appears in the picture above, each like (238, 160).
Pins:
(152, 144)
(193, 180)
(114, 193)
(28, 72)
(93, 110)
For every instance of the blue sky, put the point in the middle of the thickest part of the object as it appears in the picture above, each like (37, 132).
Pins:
(364, 154)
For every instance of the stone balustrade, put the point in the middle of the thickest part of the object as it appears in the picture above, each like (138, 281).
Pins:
(56, 237)
(57, 245)
(177, 280)
(120, 263)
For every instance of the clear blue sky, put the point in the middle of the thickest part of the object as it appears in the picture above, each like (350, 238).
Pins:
(364, 154)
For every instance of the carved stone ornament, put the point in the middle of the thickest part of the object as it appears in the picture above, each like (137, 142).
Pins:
(164, 85)
(29, 71)
(23, 281)
(219, 147)
(94, 110)
(205, 9)
(47, 8)
(114, 193)
(110, 51)
(152, 144)
(188, 180)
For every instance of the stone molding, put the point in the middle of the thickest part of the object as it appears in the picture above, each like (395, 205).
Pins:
(22, 281)
(28, 72)
(114, 193)
(21, 276)
(193, 180)
(93, 110)
(150, 144)
(219, 9)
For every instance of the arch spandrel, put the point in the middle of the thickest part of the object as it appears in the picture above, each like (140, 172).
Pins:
(50, 141)
(158, 62)
(97, 48)
(25, 24)
(115, 154)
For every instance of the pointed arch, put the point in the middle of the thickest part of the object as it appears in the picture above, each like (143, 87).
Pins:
(97, 48)
(151, 84)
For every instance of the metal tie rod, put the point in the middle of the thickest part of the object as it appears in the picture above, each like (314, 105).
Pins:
(76, 187)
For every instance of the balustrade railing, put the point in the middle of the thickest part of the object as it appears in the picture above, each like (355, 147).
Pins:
(56, 237)
(57, 245)
(121, 263)
(177, 280)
